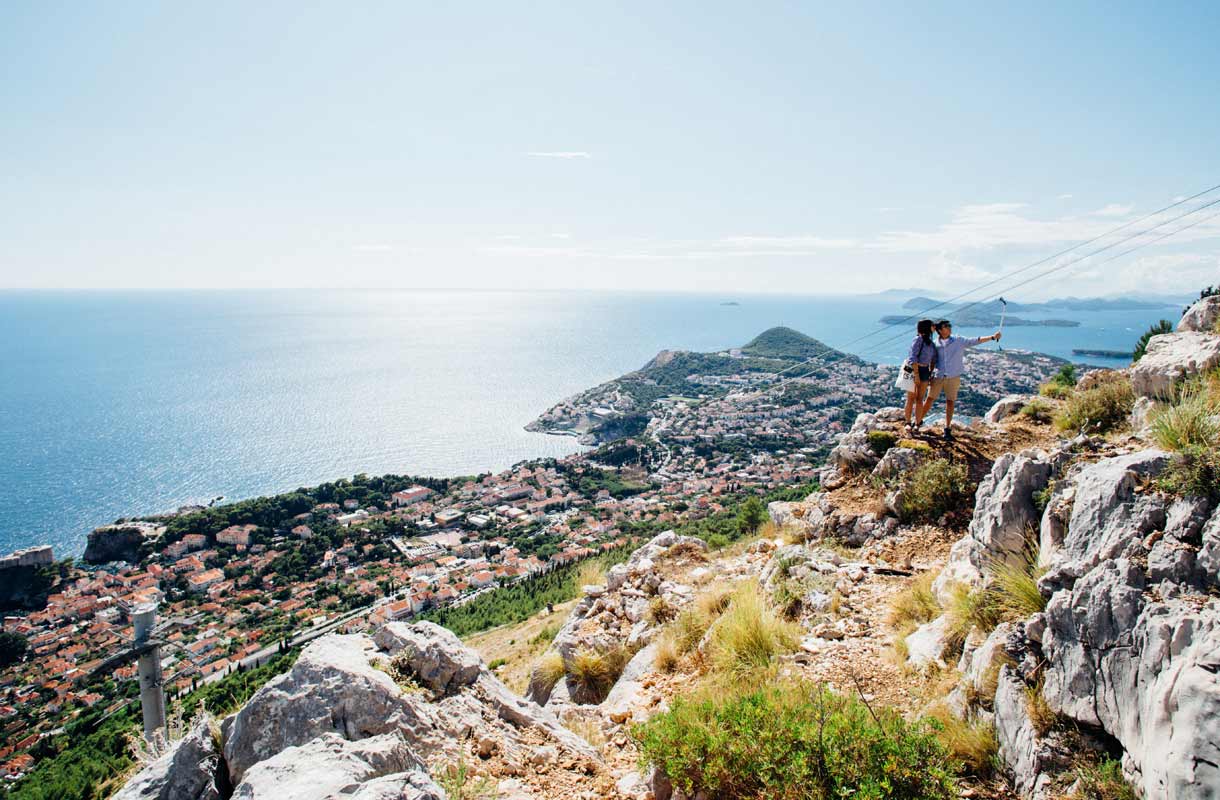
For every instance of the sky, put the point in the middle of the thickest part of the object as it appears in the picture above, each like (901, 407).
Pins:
(721, 147)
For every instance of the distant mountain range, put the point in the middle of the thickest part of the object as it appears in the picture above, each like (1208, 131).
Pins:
(922, 302)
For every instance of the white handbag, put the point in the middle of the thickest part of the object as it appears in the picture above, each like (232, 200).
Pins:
(905, 380)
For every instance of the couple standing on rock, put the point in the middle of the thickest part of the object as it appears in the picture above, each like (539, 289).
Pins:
(936, 367)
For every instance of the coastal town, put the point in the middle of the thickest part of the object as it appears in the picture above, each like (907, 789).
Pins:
(238, 582)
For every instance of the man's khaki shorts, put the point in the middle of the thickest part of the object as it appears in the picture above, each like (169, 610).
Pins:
(948, 385)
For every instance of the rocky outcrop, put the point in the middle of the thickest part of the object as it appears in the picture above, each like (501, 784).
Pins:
(189, 770)
(331, 767)
(1004, 516)
(619, 614)
(120, 542)
(854, 452)
(818, 518)
(1129, 644)
(1170, 359)
(369, 718)
(1202, 317)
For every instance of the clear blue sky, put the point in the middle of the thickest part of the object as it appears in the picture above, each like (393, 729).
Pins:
(727, 147)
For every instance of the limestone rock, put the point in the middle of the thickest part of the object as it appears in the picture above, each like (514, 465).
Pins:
(927, 642)
(1034, 761)
(1202, 317)
(331, 767)
(1172, 357)
(1005, 407)
(1004, 512)
(853, 453)
(437, 657)
(188, 771)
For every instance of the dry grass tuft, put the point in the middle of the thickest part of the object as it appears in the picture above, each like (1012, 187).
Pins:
(1040, 713)
(916, 604)
(749, 634)
(972, 743)
(592, 673)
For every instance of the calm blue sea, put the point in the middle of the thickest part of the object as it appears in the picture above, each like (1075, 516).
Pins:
(118, 403)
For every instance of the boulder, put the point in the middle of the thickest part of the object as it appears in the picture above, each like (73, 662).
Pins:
(1005, 407)
(437, 657)
(1202, 317)
(331, 767)
(1171, 358)
(189, 770)
(1141, 415)
(853, 453)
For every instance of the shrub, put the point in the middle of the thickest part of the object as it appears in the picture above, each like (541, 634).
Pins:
(592, 673)
(1042, 497)
(1141, 347)
(1066, 376)
(749, 634)
(1037, 411)
(751, 516)
(880, 441)
(496, 663)
(1097, 409)
(1189, 422)
(1055, 391)
(933, 489)
(1103, 781)
(548, 670)
(546, 635)
(972, 744)
(915, 605)
(1193, 472)
(795, 742)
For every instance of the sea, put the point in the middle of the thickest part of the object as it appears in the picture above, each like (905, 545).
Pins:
(117, 403)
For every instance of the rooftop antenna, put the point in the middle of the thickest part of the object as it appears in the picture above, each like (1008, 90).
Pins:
(145, 650)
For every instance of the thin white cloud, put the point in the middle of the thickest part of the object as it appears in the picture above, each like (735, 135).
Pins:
(787, 242)
(1065, 197)
(1113, 210)
(566, 154)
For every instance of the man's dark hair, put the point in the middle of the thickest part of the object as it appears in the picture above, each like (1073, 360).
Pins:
(943, 323)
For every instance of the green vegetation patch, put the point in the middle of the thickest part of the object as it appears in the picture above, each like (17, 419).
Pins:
(935, 488)
(798, 742)
(1102, 407)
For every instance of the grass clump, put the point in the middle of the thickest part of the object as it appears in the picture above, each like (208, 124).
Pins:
(1098, 409)
(915, 605)
(592, 673)
(667, 656)
(660, 611)
(1014, 588)
(690, 626)
(591, 573)
(971, 743)
(917, 445)
(1055, 391)
(1041, 716)
(1191, 422)
(933, 489)
(461, 783)
(399, 669)
(1103, 781)
(548, 671)
(795, 742)
(1193, 472)
(749, 634)
(1038, 411)
(880, 441)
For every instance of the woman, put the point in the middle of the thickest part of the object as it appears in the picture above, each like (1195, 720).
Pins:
(922, 360)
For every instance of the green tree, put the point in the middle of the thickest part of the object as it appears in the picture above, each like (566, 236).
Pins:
(751, 516)
(13, 648)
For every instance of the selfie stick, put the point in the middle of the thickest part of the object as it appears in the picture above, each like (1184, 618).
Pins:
(1003, 310)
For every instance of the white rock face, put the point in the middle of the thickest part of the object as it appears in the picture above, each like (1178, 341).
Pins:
(1202, 316)
(331, 767)
(1131, 639)
(186, 772)
(1173, 357)
(1033, 760)
(927, 642)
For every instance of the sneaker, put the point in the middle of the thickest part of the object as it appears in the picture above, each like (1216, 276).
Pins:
(949, 435)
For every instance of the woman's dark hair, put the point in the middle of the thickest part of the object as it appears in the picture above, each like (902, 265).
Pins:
(924, 329)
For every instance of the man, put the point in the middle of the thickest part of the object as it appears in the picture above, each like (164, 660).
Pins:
(949, 352)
